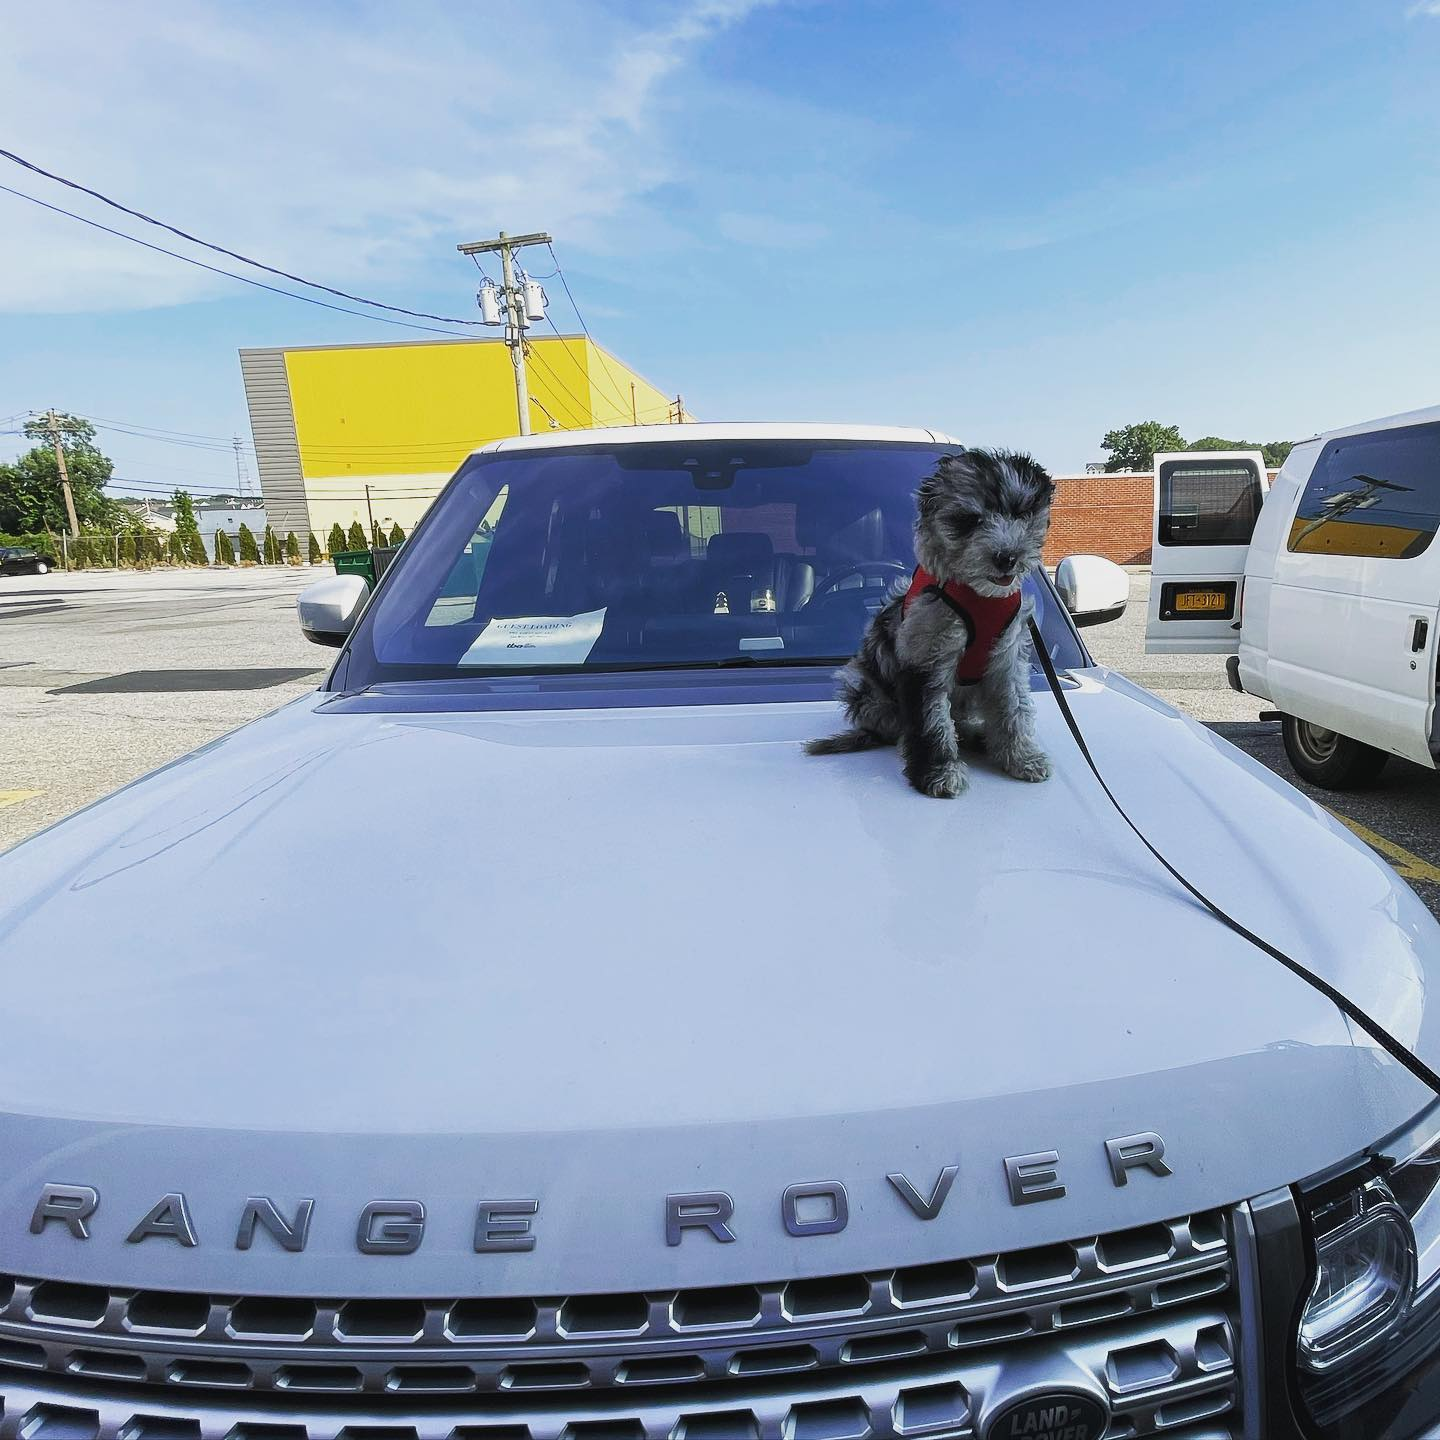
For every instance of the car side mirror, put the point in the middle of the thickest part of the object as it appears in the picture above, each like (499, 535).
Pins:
(1094, 589)
(329, 608)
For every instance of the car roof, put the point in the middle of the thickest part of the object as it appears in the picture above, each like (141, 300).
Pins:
(695, 431)
(1427, 416)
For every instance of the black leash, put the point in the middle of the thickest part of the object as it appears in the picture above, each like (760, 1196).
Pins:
(1382, 1037)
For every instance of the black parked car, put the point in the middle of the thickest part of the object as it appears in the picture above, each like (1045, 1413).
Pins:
(15, 560)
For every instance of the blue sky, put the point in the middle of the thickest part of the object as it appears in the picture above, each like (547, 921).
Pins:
(1022, 222)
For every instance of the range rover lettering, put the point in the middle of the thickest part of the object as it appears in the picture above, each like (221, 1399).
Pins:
(605, 1066)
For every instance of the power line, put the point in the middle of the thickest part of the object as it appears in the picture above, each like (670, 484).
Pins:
(222, 250)
(584, 373)
(226, 440)
(620, 399)
(230, 274)
(582, 413)
(162, 439)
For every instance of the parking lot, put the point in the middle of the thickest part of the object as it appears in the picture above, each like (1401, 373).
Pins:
(104, 676)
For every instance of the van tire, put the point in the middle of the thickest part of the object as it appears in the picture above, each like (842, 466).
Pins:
(1332, 761)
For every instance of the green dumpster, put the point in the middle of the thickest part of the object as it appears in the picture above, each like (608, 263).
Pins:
(356, 562)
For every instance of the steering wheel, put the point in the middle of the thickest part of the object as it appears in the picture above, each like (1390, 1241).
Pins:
(866, 569)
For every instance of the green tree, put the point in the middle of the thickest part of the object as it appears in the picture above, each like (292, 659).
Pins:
(1274, 452)
(336, 543)
(272, 547)
(30, 496)
(175, 549)
(187, 530)
(292, 549)
(355, 540)
(127, 549)
(314, 554)
(1133, 447)
(224, 550)
(249, 550)
(397, 535)
(185, 522)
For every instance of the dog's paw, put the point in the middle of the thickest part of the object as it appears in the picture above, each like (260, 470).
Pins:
(945, 783)
(1033, 766)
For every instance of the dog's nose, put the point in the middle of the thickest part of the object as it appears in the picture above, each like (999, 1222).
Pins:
(1006, 561)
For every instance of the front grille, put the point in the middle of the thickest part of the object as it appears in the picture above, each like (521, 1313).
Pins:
(1148, 1314)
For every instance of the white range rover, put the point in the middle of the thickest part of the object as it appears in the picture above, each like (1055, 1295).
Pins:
(593, 1064)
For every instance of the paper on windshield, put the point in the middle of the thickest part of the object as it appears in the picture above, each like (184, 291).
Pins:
(536, 640)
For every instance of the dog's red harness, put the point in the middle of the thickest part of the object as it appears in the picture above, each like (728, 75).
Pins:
(986, 617)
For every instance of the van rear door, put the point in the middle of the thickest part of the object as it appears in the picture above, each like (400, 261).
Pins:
(1355, 599)
(1206, 505)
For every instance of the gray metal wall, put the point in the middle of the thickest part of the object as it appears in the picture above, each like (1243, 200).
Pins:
(277, 450)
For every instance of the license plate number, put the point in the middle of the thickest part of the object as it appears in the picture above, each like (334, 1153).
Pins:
(1193, 600)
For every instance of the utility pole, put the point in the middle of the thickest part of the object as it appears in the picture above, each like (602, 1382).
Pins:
(514, 302)
(369, 512)
(52, 423)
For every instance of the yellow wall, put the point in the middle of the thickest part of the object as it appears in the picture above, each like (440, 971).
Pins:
(619, 396)
(401, 418)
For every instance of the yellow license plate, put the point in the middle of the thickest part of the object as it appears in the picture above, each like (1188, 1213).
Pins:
(1202, 600)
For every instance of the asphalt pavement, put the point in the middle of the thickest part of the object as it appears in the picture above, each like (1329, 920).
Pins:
(104, 676)
(107, 675)
(1399, 815)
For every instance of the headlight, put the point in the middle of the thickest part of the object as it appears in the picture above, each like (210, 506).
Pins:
(1368, 1338)
(1364, 1277)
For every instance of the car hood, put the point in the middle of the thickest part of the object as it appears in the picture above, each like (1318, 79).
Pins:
(596, 958)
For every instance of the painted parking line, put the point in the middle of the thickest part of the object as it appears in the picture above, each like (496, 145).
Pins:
(14, 797)
(1411, 866)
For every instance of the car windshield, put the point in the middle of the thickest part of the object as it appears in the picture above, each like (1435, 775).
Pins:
(654, 555)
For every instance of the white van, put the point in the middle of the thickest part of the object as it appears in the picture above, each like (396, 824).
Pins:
(1322, 586)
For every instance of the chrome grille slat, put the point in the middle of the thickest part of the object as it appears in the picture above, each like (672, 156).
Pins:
(1150, 1314)
(1025, 1311)
(830, 1405)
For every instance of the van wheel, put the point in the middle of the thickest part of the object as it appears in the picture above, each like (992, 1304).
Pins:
(1328, 759)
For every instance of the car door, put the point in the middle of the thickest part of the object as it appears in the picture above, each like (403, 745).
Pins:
(1206, 505)
(1355, 598)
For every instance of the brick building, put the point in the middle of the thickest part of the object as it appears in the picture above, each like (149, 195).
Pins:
(1109, 515)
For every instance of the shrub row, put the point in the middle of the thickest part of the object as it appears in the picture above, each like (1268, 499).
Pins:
(143, 549)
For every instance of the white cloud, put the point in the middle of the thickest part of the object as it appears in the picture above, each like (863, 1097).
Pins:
(1424, 7)
(356, 144)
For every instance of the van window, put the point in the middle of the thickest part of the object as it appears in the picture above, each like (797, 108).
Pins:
(1208, 502)
(1376, 495)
